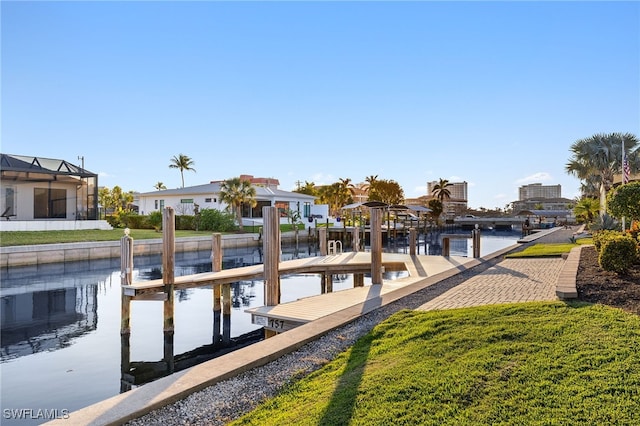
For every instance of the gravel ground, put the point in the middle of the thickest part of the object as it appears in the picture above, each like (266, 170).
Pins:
(230, 399)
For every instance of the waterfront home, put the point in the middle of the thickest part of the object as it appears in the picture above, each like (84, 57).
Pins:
(39, 193)
(207, 196)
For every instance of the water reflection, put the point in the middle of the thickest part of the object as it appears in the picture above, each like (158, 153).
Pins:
(46, 320)
(60, 332)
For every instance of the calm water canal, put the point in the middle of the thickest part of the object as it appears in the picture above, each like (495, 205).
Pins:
(60, 332)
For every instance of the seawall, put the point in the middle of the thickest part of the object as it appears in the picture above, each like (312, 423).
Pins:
(32, 255)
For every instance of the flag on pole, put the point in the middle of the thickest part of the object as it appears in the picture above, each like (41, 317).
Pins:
(626, 170)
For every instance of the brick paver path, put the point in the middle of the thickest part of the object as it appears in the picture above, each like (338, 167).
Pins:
(512, 280)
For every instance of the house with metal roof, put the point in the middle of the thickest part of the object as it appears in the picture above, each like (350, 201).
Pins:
(207, 196)
(39, 193)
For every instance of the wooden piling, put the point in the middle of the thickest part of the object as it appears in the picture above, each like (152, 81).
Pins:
(328, 282)
(355, 239)
(226, 313)
(216, 266)
(412, 241)
(125, 362)
(376, 246)
(358, 280)
(322, 241)
(168, 264)
(271, 250)
(126, 278)
(475, 241)
(446, 247)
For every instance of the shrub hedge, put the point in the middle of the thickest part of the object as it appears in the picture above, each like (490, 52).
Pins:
(207, 220)
(617, 252)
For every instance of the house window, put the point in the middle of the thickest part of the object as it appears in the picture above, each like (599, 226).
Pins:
(282, 207)
(9, 207)
(207, 200)
(255, 211)
(156, 205)
(49, 203)
(161, 204)
(186, 201)
(307, 209)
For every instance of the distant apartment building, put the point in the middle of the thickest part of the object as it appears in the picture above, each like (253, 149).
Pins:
(458, 197)
(538, 190)
(536, 196)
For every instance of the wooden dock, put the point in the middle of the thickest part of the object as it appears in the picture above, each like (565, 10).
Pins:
(276, 317)
(285, 316)
(289, 315)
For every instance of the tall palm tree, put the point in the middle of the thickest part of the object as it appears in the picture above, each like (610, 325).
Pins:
(347, 190)
(182, 162)
(159, 186)
(371, 179)
(440, 190)
(236, 192)
(370, 186)
(597, 158)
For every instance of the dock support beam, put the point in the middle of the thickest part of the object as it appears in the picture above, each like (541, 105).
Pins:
(358, 280)
(475, 242)
(376, 246)
(168, 264)
(412, 241)
(168, 279)
(322, 241)
(226, 313)
(271, 250)
(216, 266)
(126, 278)
(355, 239)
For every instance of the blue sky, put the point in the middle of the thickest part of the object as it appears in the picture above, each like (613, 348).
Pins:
(492, 93)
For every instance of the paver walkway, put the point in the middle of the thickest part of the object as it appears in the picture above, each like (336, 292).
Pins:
(512, 280)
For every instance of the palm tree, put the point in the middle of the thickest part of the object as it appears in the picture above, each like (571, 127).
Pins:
(182, 162)
(309, 188)
(159, 186)
(586, 208)
(440, 190)
(371, 179)
(370, 186)
(597, 158)
(236, 192)
(347, 190)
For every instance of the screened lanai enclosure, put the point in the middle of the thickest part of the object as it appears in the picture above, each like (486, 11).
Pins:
(36, 188)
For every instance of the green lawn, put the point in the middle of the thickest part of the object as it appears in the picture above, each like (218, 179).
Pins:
(542, 250)
(521, 364)
(21, 238)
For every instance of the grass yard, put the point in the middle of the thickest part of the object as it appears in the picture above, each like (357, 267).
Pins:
(20, 238)
(520, 364)
(542, 250)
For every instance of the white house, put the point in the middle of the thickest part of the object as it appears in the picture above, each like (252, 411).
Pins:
(207, 196)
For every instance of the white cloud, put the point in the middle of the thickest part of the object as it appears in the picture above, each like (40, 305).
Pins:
(323, 179)
(535, 178)
(419, 191)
